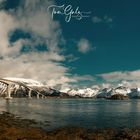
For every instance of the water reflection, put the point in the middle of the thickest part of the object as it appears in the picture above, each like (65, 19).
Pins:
(7, 105)
(87, 113)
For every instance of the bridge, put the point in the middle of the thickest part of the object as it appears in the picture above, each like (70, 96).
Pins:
(10, 83)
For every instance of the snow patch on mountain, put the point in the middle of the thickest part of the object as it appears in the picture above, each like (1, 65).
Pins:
(87, 92)
(28, 82)
(93, 92)
(121, 90)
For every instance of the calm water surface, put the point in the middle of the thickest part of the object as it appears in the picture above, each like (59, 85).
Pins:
(87, 113)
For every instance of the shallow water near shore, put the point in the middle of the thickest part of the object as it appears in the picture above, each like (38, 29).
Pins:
(86, 113)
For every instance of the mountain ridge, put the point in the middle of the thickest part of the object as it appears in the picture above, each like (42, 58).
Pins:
(93, 92)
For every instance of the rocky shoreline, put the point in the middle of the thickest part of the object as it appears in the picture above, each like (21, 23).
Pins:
(15, 128)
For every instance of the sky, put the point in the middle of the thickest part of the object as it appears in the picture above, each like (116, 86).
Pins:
(99, 49)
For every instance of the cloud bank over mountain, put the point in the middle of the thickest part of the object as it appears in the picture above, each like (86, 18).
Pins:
(23, 56)
(33, 45)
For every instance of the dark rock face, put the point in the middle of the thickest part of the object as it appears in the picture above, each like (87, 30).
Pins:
(104, 93)
(54, 93)
(22, 92)
(135, 94)
(118, 97)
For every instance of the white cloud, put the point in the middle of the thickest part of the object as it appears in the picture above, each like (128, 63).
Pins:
(7, 24)
(108, 19)
(96, 19)
(36, 66)
(84, 46)
(1, 1)
(131, 84)
(105, 19)
(32, 17)
(124, 77)
(83, 78)
(106, 85)
(40, 66)
(120, 75)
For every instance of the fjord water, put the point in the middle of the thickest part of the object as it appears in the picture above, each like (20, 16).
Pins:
(87, 113)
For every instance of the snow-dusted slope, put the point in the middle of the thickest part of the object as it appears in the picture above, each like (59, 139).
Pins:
(105, 93)
(121, 90)
(102, 93)
(87, 92)
(18, 90)
(135, 93)
(95, 91)
(28, 82)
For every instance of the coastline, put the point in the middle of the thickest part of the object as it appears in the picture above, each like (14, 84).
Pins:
(15, 128)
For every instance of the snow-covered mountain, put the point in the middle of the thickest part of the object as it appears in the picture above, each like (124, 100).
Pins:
(19, 90)
(121, 90)
(28, 82)
(19, 87)
(105, 92)
(87, 92)
(135, 93)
